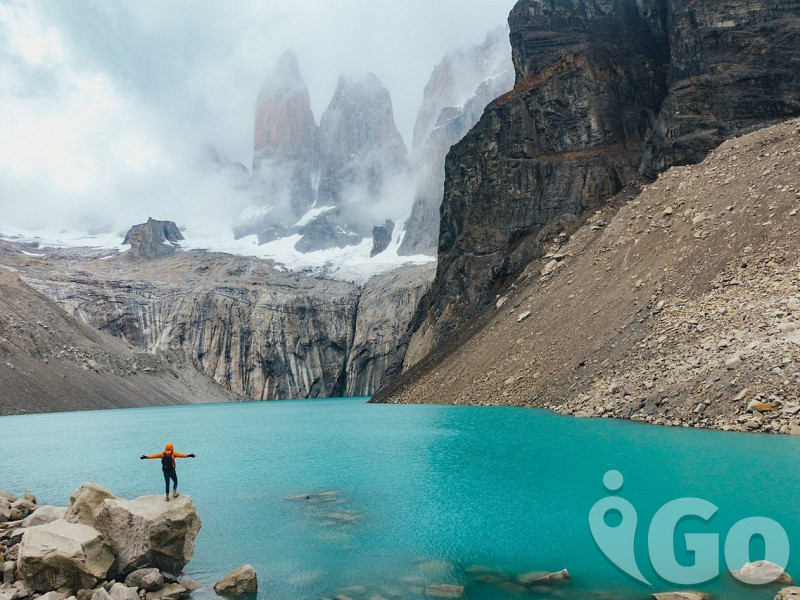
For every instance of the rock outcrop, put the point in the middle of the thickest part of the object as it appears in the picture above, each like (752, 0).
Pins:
(459, 89)
(61, 559)
(348, 164)
(285, 151)
(152, 239)
(604, 91)
(148, 532)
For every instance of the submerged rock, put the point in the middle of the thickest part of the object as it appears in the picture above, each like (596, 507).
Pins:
(681, 596)
(761, 572)
(242, 580)
(444, 591)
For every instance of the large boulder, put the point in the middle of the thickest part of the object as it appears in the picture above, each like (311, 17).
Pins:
(62, 554)
(44, 514)
(148, 532)
(242, 580)
(85, 501)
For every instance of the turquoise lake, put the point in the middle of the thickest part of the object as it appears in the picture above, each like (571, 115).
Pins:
(415, 495)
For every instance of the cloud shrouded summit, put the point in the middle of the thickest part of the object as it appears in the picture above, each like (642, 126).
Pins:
(108, 108)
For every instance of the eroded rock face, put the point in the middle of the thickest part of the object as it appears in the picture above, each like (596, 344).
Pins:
(379, 339)
(148, 532)
(266, 335)
(733, 67)
(63, 554)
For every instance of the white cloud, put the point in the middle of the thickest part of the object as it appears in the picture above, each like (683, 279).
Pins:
(107, 106)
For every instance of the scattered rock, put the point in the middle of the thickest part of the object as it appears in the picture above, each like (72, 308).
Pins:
(242, 580)
(761, 572)
(681, 596)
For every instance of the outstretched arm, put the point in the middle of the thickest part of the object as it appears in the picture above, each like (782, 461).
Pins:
(159, 455)
(181, 455)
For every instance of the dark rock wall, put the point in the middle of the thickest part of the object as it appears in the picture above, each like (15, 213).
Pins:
(590, 77)
(606, 91)
(734, 66)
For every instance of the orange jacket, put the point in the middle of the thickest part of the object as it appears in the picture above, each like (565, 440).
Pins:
(173, 454)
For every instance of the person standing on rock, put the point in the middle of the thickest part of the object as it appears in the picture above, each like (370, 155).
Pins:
(168, 457)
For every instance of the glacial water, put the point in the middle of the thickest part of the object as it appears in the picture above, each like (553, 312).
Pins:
(413, 495)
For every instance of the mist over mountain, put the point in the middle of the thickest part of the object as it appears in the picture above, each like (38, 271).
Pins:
(335, 184)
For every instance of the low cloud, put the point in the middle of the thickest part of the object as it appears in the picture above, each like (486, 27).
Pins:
(107, 108)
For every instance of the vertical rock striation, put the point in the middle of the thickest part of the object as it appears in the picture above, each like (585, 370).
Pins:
(734, 66)
(265, 334)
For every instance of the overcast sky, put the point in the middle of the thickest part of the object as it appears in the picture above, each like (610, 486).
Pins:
(106, 106)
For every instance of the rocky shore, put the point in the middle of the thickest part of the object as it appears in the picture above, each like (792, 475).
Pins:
(101, 547)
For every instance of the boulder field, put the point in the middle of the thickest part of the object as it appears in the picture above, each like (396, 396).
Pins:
(100, 547)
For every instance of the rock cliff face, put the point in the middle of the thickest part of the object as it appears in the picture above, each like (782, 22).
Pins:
(347, 163)
(733, 66)
(679, 306)
(604, 90)
(285, 147)
(250, 328)
(460, 87)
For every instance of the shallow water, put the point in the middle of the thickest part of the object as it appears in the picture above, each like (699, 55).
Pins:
(417, 495)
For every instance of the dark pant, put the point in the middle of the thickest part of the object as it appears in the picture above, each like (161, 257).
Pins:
(171, 474)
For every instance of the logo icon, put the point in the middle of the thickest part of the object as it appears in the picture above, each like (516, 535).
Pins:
(617, 541)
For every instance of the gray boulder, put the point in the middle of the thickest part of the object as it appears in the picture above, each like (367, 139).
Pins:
(52, 596)
(135, 578)
(44, 514)
(171, 591)
(761, 572)
(242, 580)
(153, 581)
(85, 501)
(120, 591)
(62, 554)
(149, 532)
